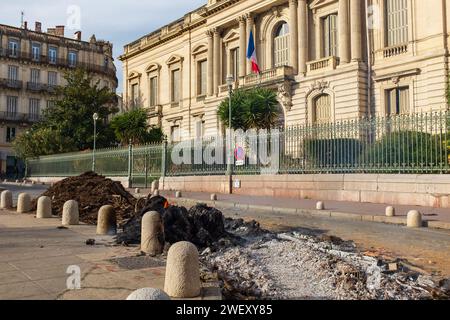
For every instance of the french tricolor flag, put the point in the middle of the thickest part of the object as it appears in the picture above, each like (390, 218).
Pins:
(251, 54)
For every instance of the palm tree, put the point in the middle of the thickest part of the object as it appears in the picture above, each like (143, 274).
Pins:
(238, 113)
(262, 109)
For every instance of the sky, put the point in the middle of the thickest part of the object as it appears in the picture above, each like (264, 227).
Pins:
(117, 21)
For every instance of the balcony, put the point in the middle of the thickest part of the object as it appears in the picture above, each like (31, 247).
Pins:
(41, 87)
(322, 65)
(10, 84)
(395, 51)
(274, 75)
(19, 117)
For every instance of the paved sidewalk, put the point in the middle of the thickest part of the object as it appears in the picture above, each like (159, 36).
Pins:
(434, 217)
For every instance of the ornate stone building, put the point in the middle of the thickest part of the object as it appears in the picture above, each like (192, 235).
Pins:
(324, 57)
(32, 65)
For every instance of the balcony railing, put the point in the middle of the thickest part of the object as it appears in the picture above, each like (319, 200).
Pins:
(324, 64)
(19, 117)
(395, 50)
(271, 75)
(58, 62)
(41, 87)
(10, 84)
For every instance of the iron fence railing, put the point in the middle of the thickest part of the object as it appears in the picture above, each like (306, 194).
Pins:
(406, 144)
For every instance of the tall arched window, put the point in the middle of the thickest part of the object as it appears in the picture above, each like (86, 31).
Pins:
(322, 109)
(281, 45)
(396, 22)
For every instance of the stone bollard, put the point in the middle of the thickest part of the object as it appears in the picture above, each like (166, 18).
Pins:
(24, 203)
(414, 219)
(6, 200)
(44, 208)
(71, 215)
(155, 185)
(33, 182)
(182, 271)
(106, 221)
(148, 294)
(214, 197)
(390, 212)
(137, 190)
(156, 193)
(152, 234)
(320, 205)
(178, 194)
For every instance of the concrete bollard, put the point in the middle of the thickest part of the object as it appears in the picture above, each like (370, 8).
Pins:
(24, 203)
(214, 197)
(148, 294)
(106, 221)
(390, 212)
(178, 194)
(44, 208)
(414, 219)
(33, 182)
(152, 234)
(6, 200)
(182, 271)
(71, 215)
(137, 190)
(155, 185)
(320, 205)
(156, 193)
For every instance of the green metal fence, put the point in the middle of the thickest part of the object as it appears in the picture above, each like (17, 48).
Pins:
(417, 143)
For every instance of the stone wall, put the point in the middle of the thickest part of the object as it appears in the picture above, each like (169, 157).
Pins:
(421, 190)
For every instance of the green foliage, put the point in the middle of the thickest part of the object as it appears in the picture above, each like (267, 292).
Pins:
(410, 148)
(251, 109)
(133, 126)
(68, 125)
(332, 152)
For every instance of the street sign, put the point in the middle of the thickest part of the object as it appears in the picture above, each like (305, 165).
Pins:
(239, 155)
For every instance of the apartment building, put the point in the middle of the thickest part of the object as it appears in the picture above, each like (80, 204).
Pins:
(32, 66)
(328, 60)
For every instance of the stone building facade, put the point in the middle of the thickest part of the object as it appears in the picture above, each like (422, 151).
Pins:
(328, 60)
(32, 65)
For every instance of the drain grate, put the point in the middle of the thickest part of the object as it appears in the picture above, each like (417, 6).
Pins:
(136, 263)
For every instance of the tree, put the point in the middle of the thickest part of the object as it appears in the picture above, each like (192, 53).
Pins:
(68, 125)
(251, 109)
(133, 126)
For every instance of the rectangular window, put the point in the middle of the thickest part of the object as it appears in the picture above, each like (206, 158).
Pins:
(134, 95)
(34, 109)
(199, 128)
(11, 107)
(73, 59)
(36, 51)
(13, 73)
(234, 56)
(330, 36)
(202, 78)
(13, 47)
(153, 91)
(35, 76)
(398, 101)
(50, 103)
(52, 55)
(396, 22)
(175, 95)
(10, 134)
(175, 133)
(52, 78)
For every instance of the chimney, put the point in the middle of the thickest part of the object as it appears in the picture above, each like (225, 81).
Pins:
(25, 25)
(60, 31)
(78, 35)
(38, 26)
(51, 31)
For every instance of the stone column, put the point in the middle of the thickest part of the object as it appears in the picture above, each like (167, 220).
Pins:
(302, 36)
(250, 27)
(216, 60)
(344, 31)
(355, 12)
(210, 82)
(293, 24)
(242, 46)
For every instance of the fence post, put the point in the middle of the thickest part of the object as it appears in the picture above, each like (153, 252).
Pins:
(164, 159)
(130, 164)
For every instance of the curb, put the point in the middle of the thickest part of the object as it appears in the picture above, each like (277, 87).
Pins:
(311, 213)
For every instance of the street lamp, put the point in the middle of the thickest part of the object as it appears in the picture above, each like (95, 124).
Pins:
(230, 81)
(95, 117)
